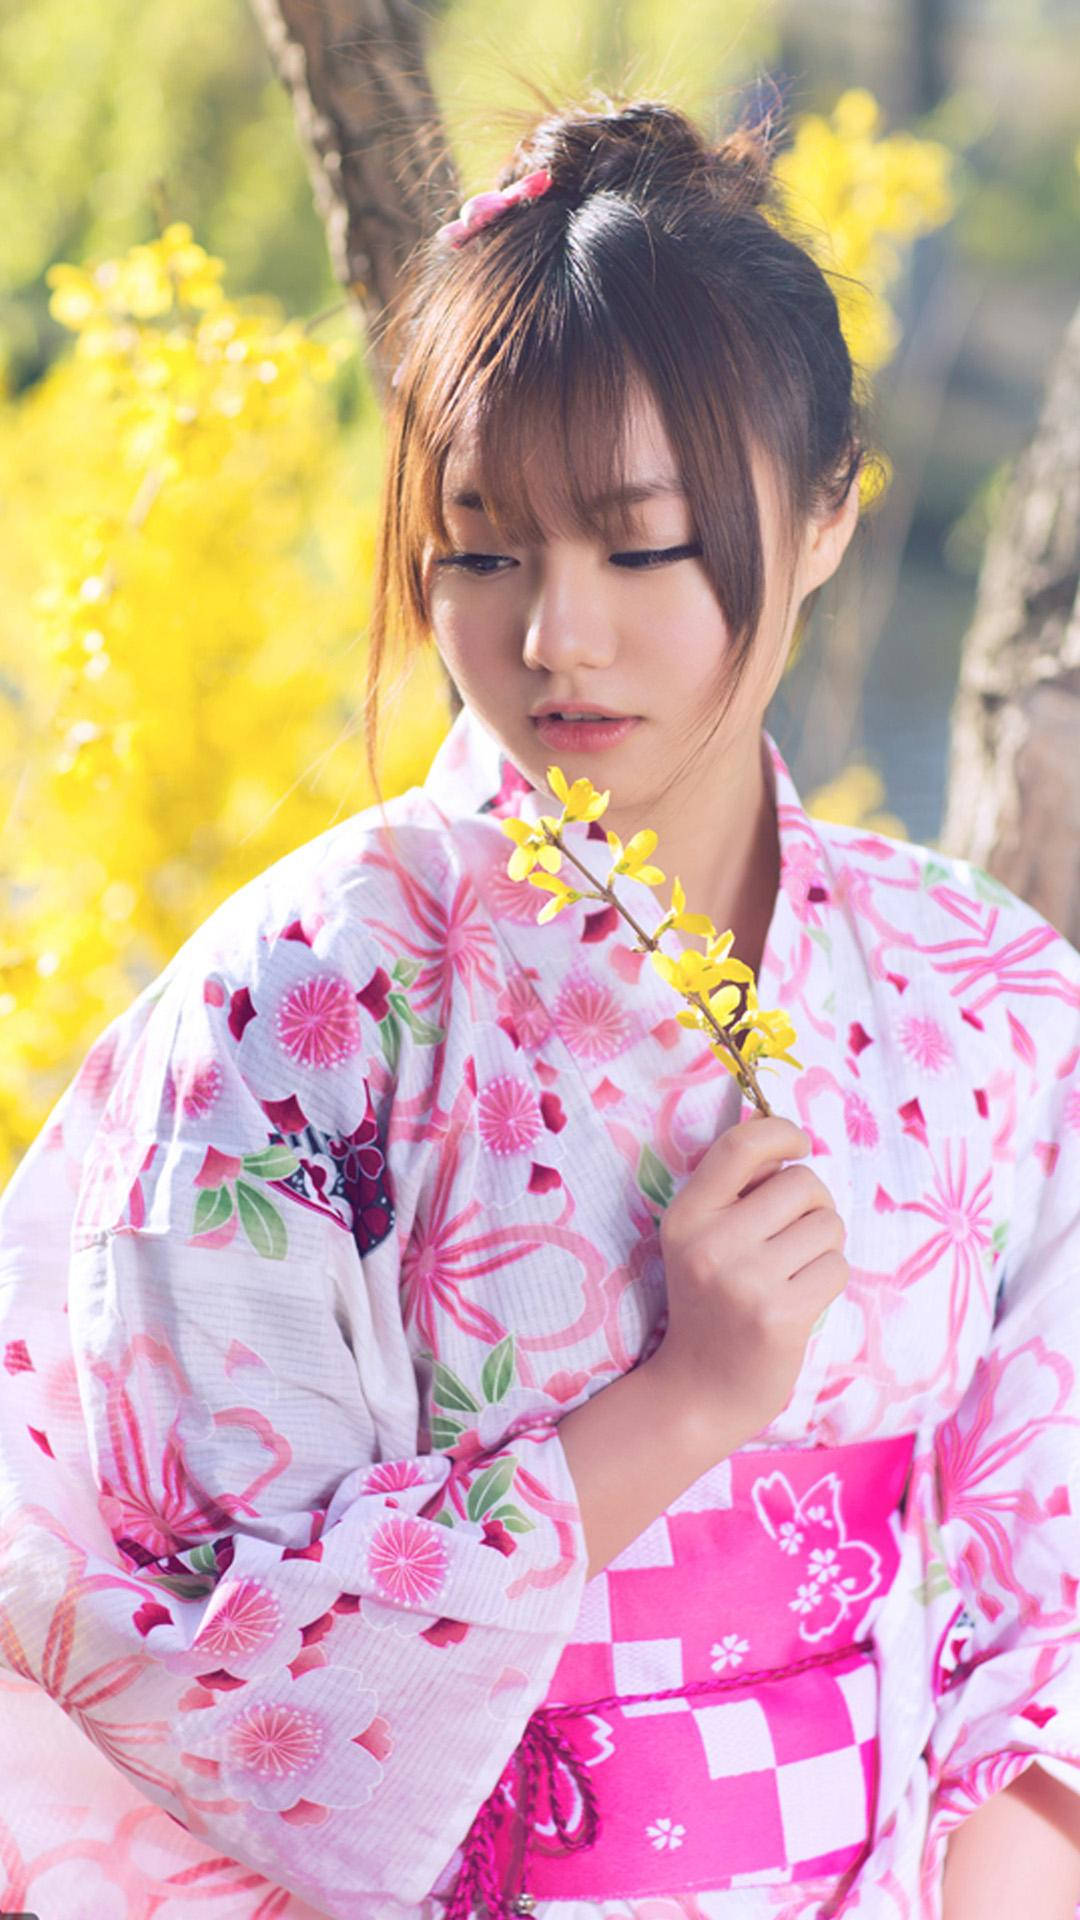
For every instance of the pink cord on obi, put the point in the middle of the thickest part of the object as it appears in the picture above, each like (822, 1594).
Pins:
(542, 1749)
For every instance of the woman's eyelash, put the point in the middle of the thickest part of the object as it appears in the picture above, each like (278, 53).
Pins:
(639, 559)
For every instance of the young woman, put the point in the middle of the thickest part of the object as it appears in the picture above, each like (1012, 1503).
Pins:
(456, 1458)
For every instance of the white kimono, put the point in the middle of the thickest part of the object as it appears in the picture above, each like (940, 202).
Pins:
(351, 1205)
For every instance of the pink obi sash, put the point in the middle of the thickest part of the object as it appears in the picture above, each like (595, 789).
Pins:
(713, 1721)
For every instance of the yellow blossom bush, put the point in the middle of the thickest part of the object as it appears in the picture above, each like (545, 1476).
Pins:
(187, 547)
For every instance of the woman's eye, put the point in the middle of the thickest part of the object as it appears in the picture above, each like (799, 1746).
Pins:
(471, 562)
(652, 556)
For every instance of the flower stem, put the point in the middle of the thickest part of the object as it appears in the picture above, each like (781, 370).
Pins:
(748, 1079)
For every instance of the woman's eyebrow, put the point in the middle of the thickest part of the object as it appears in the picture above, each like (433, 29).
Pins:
(629, 496)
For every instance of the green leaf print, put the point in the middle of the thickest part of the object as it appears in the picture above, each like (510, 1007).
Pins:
(449, 1391)
(406, 971)
(498, 1370)
(934, 873)
(423, 1030)
(213, 1209)
(445, 1431)
(443, 1518)
(261, 1222)
(823, 938)
(653, 1177)
(203, 1559)
(183, 1586)
(513, 1520)
(272, 1163)
(489, 1487)
(390, 1041)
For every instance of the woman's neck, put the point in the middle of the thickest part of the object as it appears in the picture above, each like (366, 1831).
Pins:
(726, 853)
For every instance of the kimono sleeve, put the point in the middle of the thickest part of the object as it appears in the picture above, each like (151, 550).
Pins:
(289, 1622)
(1008, 1476)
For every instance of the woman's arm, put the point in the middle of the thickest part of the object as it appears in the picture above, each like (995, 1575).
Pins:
(1028, 1835)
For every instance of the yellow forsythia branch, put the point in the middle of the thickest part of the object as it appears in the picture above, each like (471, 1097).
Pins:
(721, 991)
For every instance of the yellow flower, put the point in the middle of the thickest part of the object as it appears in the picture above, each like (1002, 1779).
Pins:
(688, 972)
(564, 895)
(676, 916)
(721, 1005)
(532, 849)
(771, 1034)
(581, 801)
(630, 860)
(717, 952)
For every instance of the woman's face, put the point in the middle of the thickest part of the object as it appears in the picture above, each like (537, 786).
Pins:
(632, 626)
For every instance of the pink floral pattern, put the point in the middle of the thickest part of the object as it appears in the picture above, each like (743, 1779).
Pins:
(353, 1203)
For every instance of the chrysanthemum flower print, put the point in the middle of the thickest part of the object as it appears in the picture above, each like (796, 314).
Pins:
(285, 1740)
(925, 1042)
(302, 1033)
(591, 1017)
(407, 1560)
(242, 1634)
(518, 1122)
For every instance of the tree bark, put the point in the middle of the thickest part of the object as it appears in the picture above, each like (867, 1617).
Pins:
(1013, 800)
(380, 169)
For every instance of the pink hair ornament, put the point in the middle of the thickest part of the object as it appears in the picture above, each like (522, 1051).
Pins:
(479, 212)
(483, 208)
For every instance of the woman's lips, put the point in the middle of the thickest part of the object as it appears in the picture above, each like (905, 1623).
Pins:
(584, 736)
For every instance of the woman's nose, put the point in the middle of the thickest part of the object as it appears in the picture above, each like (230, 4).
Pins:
(568, 624)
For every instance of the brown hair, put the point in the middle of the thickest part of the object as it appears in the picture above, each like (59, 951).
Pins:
(652, 254)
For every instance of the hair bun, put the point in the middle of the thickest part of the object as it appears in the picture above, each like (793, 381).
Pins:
(643, 144)
(744, 163)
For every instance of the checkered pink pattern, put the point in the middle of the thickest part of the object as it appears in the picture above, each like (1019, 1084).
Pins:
(773, 1561)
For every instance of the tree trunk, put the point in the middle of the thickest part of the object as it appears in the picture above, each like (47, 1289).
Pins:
(1013, 803)
(380, 169)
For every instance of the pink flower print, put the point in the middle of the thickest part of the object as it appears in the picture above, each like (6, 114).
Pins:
(859, 1123)
(802, 880)
(389, 1476)
(407, 1560)
(121, 1148)
(925, 1042)
(1071, 1116)
(665, 1833)
(518, 1124)
(508, 1114)
(522, 1005)
(728, 1652)
(591, 1018)
(242, 1634)
(283, 1740)
(195, 1086)
(317, 1021)
(303, 1029)
(245, 1619)
(507, 898)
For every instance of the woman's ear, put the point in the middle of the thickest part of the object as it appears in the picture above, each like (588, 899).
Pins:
(827, 539)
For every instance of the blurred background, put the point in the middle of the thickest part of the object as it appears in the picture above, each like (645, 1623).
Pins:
(190, 438)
